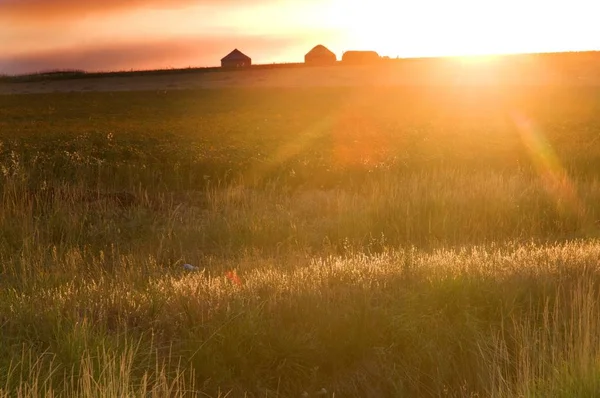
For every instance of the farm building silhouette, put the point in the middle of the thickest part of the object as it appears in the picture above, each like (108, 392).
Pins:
(320, 55)
(236, 59)
(360, 57)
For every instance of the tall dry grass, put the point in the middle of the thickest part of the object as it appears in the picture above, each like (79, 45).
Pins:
(510, 320)
(344, 247)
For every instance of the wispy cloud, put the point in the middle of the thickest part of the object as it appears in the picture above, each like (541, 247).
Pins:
(60, 9)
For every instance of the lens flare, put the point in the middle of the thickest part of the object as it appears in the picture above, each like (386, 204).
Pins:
(554, 177)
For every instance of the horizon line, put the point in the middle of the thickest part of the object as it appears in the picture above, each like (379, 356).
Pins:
(82, 72)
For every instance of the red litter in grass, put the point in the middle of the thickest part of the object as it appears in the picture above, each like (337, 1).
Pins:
(234, 278)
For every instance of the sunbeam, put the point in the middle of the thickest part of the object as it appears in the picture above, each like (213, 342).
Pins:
(553, 175)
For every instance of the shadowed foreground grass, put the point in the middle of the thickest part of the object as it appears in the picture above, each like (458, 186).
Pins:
(516, 320)
(405, 242)
(331, 292)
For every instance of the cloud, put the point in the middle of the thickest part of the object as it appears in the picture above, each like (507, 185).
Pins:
(53, 10)
(172, 53)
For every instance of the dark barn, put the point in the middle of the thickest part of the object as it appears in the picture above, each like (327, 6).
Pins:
(360, 57)
(236, 59)
(320, 55)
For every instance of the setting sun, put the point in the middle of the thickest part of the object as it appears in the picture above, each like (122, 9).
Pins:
(464, 27)
(146, 34)
(299, 198)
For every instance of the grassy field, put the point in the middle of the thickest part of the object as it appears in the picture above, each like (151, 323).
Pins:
(351, 242)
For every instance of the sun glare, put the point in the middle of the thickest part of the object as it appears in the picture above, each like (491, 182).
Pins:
(458, 28)
(476, 60)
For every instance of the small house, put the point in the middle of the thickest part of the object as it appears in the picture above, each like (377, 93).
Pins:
(236, 59)
(360, 57)
(320, 55)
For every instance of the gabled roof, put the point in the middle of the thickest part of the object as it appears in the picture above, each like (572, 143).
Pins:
(362, 53)
(320, 50)
(360, 56)
(236, 55)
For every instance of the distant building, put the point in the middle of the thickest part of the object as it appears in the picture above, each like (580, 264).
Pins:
(320, 55)
(360, 57)
(236, 59)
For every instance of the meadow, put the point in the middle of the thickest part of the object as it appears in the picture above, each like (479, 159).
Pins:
(351, 242)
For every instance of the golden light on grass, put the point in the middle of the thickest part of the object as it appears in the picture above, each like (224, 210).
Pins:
(446, 272)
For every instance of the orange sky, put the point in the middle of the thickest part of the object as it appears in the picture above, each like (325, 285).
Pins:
(37, 35)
